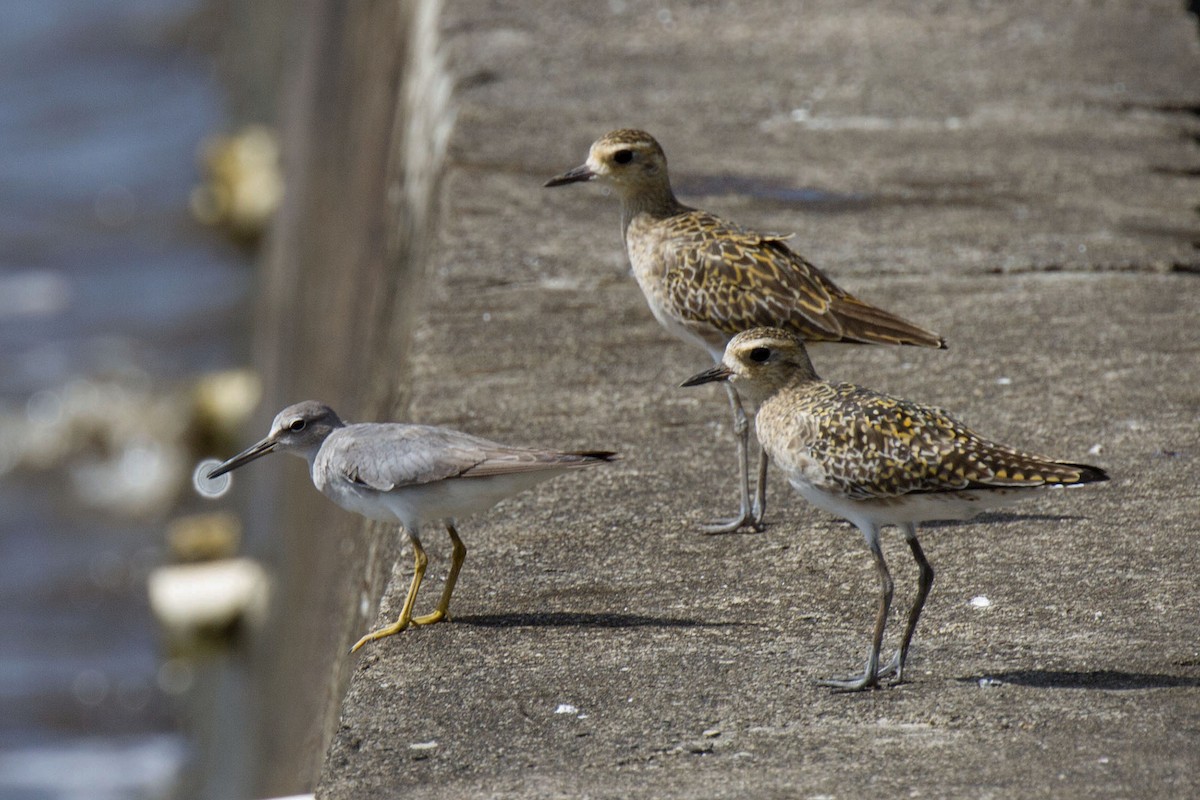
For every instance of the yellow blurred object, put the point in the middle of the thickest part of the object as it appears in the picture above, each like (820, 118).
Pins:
(204, 537)
(204, 605)
(243, 182)
(222, 402)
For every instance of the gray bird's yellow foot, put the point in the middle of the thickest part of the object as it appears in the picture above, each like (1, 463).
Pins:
(431, 618)
(389, 630)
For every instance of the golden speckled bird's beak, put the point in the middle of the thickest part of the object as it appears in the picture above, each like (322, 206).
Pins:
(245, 457)
(580, 173)
(718, 373)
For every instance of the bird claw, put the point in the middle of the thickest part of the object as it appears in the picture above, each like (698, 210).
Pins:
(390, 630)
(857, 683)
(734, 524)
(894, 669)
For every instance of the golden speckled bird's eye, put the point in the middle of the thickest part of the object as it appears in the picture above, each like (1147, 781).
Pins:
(760, 354)
(623, 156)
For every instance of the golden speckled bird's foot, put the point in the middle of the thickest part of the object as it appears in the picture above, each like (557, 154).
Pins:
(389, 630)
(894, 669)
(857, 683)
(431, 618)
(746, 522)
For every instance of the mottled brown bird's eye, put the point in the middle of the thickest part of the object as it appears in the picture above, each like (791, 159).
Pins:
(623, 156)
(760, 354)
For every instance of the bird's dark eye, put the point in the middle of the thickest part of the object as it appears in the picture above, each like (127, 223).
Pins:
(297, 425)
(760, 354)
(623, 156)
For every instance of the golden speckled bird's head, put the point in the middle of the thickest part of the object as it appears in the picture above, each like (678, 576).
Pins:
(629, 160)
(760, 362)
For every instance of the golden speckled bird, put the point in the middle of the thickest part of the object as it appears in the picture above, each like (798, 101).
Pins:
(707, 279)
(877, 460)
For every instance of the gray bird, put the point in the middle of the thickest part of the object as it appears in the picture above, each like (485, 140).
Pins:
(410, 474)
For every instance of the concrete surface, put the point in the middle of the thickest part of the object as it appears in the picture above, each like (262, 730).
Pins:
(1020, 176)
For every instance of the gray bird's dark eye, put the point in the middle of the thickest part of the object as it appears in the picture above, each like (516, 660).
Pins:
(297, 425)
(623, 156)
(760, 354)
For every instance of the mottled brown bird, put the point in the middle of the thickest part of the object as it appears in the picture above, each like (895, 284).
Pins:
(877, 460)
(707, 279)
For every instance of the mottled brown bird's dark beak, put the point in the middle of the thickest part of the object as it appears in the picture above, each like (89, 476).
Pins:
(580, 173)
(718, 373)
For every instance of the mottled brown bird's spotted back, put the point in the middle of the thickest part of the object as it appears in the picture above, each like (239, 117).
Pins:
(708, 279)
(709, 272)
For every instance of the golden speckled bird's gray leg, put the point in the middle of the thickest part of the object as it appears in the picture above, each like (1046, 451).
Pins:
(441, 611)
(870, 676)
(760, 489)
(420, 561)
(741, 430)
(895, 667)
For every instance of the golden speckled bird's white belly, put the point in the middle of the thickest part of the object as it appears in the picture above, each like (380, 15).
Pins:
(913, 507)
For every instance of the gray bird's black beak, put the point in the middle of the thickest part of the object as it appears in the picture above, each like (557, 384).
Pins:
(580, 173)
(245, 457)
(718, 373)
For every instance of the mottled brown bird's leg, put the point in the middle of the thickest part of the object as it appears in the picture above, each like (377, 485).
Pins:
(457, 557)
(420, 561)
(870, 676)
(895, 667)
(741, 430)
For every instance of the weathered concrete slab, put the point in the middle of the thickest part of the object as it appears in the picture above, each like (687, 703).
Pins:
(1002, 172)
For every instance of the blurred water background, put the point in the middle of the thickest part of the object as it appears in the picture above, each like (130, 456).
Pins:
(112, 300)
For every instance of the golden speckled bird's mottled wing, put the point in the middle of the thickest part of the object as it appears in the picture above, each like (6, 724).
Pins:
(875, 446)
(735, 279)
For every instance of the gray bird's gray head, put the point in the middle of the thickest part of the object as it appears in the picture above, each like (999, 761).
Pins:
(759, 362)
(298, 429)
(631, 160)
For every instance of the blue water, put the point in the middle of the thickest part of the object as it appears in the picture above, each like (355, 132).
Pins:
(102, 271)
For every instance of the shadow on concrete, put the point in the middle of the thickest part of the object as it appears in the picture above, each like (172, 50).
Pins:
(1093, 679)
(568, 619)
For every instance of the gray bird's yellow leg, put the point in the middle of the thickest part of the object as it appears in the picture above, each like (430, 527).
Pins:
(419, 563)
(457, 557)
(870, 676)
(895, 667)
(741, 430)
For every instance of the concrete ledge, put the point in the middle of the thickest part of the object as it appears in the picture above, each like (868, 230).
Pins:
(1019, 177)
